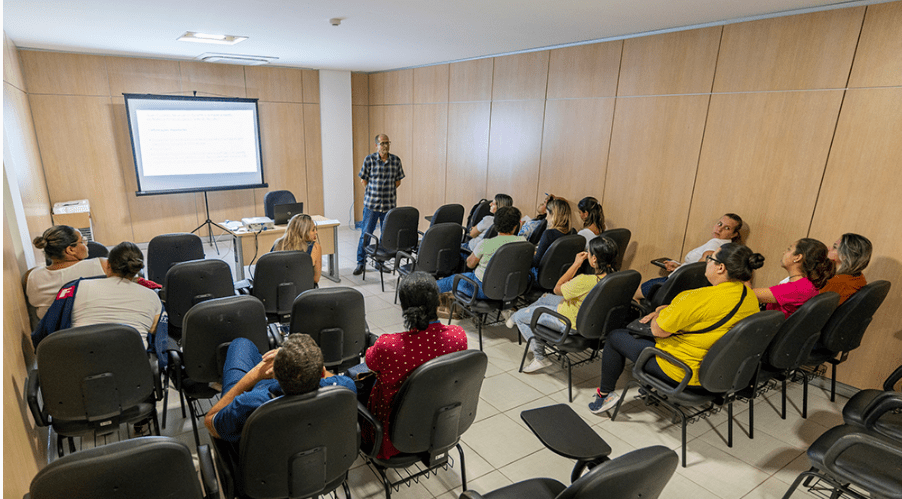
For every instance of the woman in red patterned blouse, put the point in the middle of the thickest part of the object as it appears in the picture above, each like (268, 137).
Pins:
(394, 356)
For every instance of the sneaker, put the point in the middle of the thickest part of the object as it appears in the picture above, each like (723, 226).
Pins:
(537, 364)
(358, 270)
(507, 314)
(509, 323)
(607, 403)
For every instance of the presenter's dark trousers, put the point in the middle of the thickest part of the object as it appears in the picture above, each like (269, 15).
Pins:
(370, 218)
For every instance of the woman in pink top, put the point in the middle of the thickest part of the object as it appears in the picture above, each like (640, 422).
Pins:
(809, 269)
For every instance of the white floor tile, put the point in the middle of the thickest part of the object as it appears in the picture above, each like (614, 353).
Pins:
(506, 391)
(500, 441)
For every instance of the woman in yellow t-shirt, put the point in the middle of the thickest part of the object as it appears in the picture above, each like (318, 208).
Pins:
(569, 293)
(673, 325)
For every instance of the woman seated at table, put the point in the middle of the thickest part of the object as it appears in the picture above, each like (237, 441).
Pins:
(726, 230)
(808, 268)
(558, 226)
(569, 292)
(301, 236)
(68, 251)
(592, 215)
(685, 328)
(851, 254)
(394, 356)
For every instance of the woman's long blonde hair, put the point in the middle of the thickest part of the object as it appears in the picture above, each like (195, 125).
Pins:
(559, 217)
(296, 234)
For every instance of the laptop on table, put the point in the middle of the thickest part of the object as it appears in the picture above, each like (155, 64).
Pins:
(284, 212)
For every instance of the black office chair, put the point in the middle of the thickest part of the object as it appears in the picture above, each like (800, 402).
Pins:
(846, 327)
(166, 250)
(537, 234)
(399, 233)
(140, 468)
(789, 349)
(293, 446)
(866, 409)
(336, 319)
(641, 473)
(90, 379)
(209, 328)
(438, 254)
(97, 250)
(480, 210)
(272, 198)
(605, 308)
(622, 238)
(506, 278)
(448, 213)
(685, 277)
(434, 407)
(727, 368)
(279, 278)
(189, 283)
(555, 262)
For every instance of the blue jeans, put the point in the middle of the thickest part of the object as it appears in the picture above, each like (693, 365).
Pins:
(647, 285)
(444, 285)
(523, 317)
(619, 346)
(370, 218)
(240, 359)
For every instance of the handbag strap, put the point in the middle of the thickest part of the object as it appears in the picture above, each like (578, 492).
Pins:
(723, 321)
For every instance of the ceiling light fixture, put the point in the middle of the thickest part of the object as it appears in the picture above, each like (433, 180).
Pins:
(244, 60)
(193, 36)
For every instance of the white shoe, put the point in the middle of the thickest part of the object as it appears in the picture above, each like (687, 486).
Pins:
(537, 365)
(507, 317)
(509, 323)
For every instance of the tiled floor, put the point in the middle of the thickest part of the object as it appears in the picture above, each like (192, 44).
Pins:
(500, 450)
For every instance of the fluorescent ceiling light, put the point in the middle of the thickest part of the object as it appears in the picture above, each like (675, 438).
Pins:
(192, 36)
(245, 60)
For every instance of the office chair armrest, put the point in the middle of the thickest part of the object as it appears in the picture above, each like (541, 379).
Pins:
(275, 337)
(175, 368)
(547, 334)
(470, 494)
(403, 255)
(162, 295)
(207, 472)
(858, 438)
(883, 403)
(640, 374)
(374, 237)
(894, 378)
(157, 379)
(458, 295)
(364, 416)
(32, 386)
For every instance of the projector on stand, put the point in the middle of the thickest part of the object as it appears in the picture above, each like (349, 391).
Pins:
(256, 224)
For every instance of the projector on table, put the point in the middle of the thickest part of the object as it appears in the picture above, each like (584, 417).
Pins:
(255, 224)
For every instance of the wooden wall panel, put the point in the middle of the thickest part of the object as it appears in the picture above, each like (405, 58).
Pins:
(584, 71)
(520, 76)
(762, 158)
(142, 76)
(515, 139)
(12, 67)
(275, 84)
(424, 186)
(860, 194)
(575, 172)
(468, 152)
(399, 87)
(470, 80)
(284, 149)
(64, 74)
(430, 84)
(377, 125)
(377, 89)
(651, 172)
(78, 150)
(800, 52)
(398, 125)
(360, 89)
(878, 60)
(363, 145)
(672, 63)
(212, 80)
(311, 86)
(314, 146)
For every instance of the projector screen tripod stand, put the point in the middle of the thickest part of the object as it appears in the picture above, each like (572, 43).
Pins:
(209, 224)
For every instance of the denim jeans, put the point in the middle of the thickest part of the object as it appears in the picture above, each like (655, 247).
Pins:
(523, 317)
(445, 284)
(240, 359)
(370, 218)
(619, 346)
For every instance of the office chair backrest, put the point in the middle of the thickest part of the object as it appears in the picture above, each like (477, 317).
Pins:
(298, 445)
(280, 277)
(537, 234)
(97, 250)
(189, 283)
(32, 310)
(491, 232)
(140, 468)
(846, 327)
(437, 403)
(272, 198)
(607, 306)
(336, 319)
(480, 210)
(507, 273)
(210, 326)
(641, 473)
(800, 331)
(622, 238)
(448, 213)
(439, 251)
(93, 373)
(558, 258)
(687, 276)
(166, 250)
(399, 231)
(731, 362)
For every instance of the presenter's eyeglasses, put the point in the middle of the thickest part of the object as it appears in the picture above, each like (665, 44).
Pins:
(385, 143)
(712, 259)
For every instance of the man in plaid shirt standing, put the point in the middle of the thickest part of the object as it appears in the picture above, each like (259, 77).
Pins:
(381, 175)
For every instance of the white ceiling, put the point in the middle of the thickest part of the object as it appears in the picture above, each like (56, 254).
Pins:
(373, 36)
